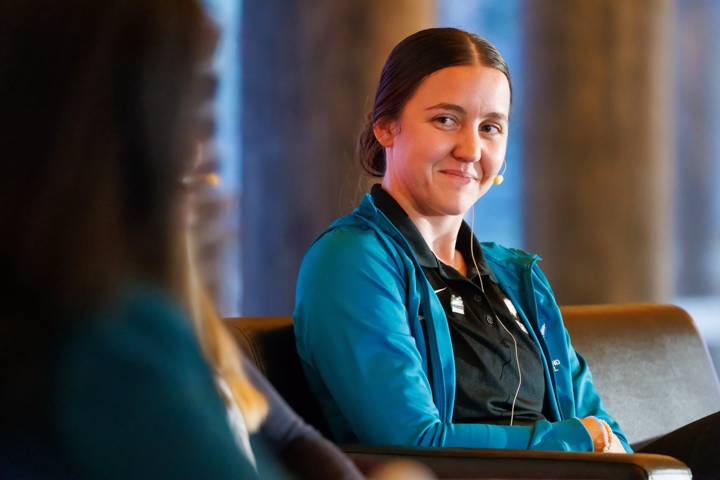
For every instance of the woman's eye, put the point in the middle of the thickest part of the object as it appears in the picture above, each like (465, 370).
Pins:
(445, 121)
(490, 128)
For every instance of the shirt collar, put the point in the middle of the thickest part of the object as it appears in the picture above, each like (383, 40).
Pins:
(427, 259)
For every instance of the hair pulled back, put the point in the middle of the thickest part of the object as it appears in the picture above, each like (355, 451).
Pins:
(408, 64)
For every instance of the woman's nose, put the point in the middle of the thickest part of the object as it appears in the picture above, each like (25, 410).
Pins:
(468, 147)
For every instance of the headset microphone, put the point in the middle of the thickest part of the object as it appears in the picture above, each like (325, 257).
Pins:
(499, 178)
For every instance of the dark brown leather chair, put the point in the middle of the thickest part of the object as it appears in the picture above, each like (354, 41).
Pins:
(648, 362)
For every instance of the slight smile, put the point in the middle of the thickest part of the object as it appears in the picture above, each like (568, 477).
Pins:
(459, 174)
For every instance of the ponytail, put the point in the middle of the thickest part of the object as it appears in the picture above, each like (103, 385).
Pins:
(370, 153)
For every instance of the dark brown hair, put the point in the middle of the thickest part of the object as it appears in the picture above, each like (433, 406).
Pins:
(413, 59)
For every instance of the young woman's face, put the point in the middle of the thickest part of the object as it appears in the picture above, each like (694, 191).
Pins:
(449, 142)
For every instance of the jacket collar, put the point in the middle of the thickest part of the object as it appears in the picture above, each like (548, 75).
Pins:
(508, 264)
(385, 203)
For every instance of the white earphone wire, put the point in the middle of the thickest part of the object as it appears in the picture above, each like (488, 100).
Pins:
(482, 288)
(504, 168)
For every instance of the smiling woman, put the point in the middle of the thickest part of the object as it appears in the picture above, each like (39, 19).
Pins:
(410, 331)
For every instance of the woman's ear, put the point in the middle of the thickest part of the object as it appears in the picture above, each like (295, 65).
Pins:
(385, 131)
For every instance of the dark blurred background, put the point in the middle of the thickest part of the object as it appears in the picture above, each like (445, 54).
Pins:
(613, 161)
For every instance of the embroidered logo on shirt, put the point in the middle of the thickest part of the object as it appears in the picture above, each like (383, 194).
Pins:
(556, 363)
(457, 305)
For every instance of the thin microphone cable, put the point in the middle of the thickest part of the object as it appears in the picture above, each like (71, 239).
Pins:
(504, 169)
(482, 287)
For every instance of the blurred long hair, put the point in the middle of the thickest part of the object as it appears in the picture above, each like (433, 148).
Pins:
(99, 110)
(219, 347)
(97, 121)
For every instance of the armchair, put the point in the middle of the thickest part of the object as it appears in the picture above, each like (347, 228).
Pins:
(648, 362)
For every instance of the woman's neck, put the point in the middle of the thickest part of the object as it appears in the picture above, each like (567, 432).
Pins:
(439, 231)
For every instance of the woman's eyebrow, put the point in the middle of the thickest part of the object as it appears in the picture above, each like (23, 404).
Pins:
(457, 108)
(497, 116)
(447, 106)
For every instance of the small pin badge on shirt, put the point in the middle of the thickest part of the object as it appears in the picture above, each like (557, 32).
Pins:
(542, 329)
(457, 305)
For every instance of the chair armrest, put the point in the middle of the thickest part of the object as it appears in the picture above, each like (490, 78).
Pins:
(480, 463)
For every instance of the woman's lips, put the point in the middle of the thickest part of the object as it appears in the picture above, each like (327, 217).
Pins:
(465, 177)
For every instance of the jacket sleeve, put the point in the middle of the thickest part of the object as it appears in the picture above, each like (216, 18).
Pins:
(587, 399)
(354, 338)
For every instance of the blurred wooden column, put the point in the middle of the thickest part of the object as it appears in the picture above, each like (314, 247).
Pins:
(309, 71)
(698, 149)
(598, 146)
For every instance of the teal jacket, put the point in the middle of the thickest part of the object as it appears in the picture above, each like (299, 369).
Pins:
(134, 397)
(375, 345)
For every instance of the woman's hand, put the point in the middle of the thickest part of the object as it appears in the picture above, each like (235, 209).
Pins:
(604, 440)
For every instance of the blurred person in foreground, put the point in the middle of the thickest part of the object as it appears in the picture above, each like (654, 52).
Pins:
(412, 332)
(102, 374)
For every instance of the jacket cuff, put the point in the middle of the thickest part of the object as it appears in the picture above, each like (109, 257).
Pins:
(568, 435)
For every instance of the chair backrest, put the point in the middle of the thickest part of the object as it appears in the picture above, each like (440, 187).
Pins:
(649, 364)
(648, 361)
(270, 343)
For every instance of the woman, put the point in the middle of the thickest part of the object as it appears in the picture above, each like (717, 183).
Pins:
(410, 331)
(102, 374)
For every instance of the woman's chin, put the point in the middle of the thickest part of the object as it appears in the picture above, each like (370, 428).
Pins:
(455, 209)
(451, 204)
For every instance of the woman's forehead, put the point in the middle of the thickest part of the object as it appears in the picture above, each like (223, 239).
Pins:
(471, 87)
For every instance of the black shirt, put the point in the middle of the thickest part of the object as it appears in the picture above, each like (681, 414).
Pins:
(485, 366)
